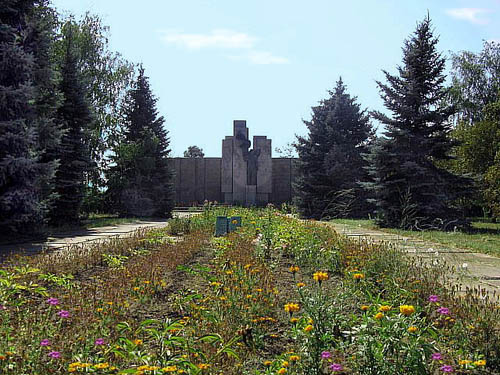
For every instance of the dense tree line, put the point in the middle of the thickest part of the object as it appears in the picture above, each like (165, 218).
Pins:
(62, 113)
(418, 173)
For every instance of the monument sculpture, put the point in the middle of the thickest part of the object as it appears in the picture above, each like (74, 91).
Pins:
(246, 174)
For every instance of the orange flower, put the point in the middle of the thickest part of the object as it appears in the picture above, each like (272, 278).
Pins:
(320, 276)
(378, 316)
(412, 329)
(358, 276)
(294, 269)
(384, 308)
(292, 307)
(301, 285)
(308, 328)
(406, 309)
(365, 307)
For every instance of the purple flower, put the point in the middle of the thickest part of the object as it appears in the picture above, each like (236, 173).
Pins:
(55, 355)
(2, 307)
(99, 341)
(326, 355)
(335, 367)
(45, 342)
(63, 314)
(433, 298)
(446, 368)
(443, 310)
(436, 356)
(53, 301)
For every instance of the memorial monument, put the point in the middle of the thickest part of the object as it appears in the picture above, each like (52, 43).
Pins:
(246, 175)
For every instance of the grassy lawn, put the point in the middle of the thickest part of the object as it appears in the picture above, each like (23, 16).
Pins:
(484, 237)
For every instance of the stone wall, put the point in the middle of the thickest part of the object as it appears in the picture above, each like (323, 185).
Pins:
(199, 179)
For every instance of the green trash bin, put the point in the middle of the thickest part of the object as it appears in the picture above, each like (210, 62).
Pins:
(234, 222)
(221, 226)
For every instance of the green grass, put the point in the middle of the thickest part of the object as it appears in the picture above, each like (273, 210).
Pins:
(483, 238)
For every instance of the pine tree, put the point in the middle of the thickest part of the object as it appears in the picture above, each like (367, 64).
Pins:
(75, 117)
(140, 182)
(330, 162)
(20, 168)
(412, 190)
(47, 97)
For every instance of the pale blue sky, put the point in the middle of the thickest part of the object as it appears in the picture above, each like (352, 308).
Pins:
(213, 61)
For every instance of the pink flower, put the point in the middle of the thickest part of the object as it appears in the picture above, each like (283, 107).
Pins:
(326, 355)
(443, 310)
(436, 356)
(53, 301)
(446, 368)
(99, 341)
(2, 307)
(433, 298)
(45, 342)
(55, 355)
(63, 314)
(335, 367)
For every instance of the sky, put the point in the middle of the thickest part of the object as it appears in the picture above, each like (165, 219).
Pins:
(269, 61)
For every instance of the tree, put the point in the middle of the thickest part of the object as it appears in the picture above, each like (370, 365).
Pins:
(76, 118)
(141, 181)
(47, 98)
(330, 162)
(412, 191)
(476, 81)
(194, 152)
(21, 170)
(105, 76)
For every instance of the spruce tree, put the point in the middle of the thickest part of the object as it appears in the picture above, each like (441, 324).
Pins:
(412, 190)
(141, 181)
(75, 117)
(330, 162)
(20, 168)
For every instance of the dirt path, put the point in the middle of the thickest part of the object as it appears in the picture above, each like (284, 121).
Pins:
(474, 270)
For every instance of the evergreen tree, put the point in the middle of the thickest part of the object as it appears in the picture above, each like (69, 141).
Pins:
(330, 162)
(75, 117)
(194, 152)
(412, 191)
(140, 182)
(47, 98)
(20, 168)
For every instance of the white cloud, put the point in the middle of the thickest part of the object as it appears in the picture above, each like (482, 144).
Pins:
(472, 15)
(262, 58)
(220, 38)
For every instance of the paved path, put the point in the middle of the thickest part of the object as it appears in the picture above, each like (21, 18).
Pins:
(474, 270)
(84, 236)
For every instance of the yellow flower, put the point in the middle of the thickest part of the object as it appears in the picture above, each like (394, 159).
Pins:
(267, 363)
(292, 307)
(480, 362)
(169, 369)
(138, 342)
(464, 362)
(294, 358)
(136, 288)
(281, 371)
(147, 282)
(294, 320)
(301, 285)
(320, 276)
(378, 315)
(294, 269)
(384, 308)
(365, 307)
(99, 309)
(406, 309)
(285, 364)
(412, 329)
(358, 276)
(203, 366)
(308, 328)
(102, 365)
(110, 303)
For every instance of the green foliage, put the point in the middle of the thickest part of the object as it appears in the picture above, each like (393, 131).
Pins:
(194, 152)
(141, 181)
(330, 162)
(76, 119)
(412, 190)
(22, 172)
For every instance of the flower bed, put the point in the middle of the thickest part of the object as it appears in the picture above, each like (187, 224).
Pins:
(277, 296)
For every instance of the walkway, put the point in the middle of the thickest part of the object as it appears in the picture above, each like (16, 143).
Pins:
(474, 270)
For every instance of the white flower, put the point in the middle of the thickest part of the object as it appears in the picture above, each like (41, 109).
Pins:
(465, 265)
